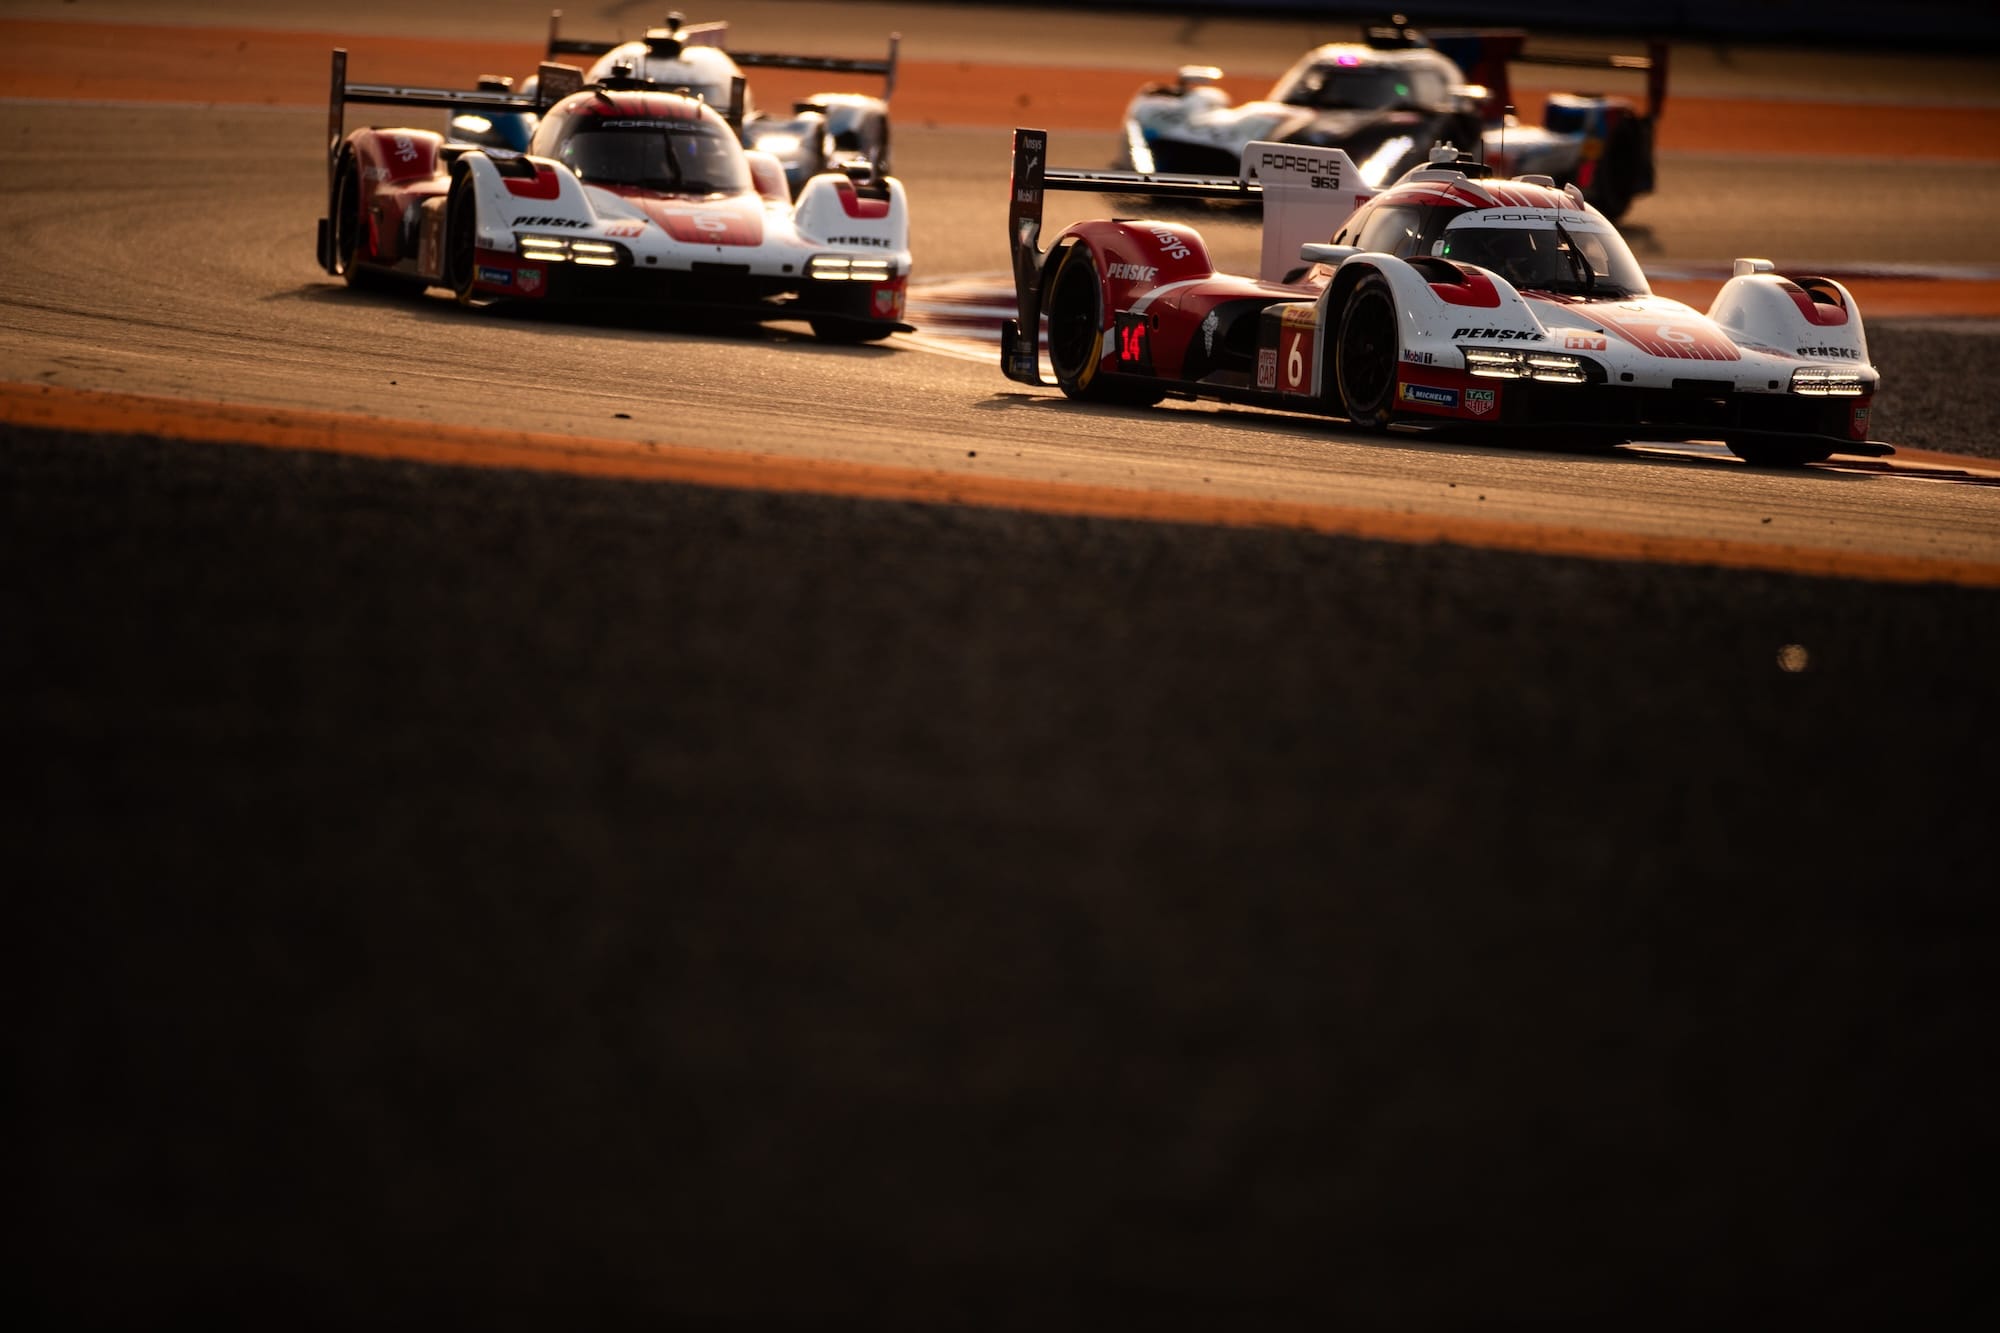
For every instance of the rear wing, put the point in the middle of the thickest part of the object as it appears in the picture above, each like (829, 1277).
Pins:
(553, 83)
(1306, 193)
(1485, 54)
(717, 35)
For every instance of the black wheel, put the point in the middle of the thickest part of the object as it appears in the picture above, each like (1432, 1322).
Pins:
(1364, 358)
(1076, 335)
(349, 227)
(461, 238)
(1780, 453)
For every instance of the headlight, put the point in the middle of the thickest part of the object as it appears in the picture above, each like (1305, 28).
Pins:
(1828, 382)
(780, 145)
(848, 268)
(561, 249)
(1509, 364)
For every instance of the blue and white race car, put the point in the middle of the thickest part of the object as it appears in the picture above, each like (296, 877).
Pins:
(1387, 100)
(626, 194)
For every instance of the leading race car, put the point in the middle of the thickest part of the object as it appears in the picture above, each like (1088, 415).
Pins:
(1451, 299)
(628, 193)
(819, 131)
(1386, 100)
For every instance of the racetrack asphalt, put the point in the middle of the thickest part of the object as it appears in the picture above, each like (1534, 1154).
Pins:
(479, 896)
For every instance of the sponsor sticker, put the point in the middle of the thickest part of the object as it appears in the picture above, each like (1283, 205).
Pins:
(1267, 367)
(1416, 358)
(497, 277)
(1584, 342)
(1480, 401)
(530, 279)
(1428, 394)
(1134, 272)
(1504, 335)
(1837, 353)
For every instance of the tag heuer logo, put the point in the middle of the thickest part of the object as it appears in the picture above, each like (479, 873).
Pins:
(1479, 401)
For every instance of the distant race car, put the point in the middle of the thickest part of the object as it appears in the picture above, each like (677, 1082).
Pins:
(820, 129)
(1451, 299)
(627, 194)
(1388, 100)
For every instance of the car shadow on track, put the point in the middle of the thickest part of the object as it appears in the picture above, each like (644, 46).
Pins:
(587, 321)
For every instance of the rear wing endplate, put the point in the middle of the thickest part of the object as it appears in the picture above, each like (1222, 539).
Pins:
(1484, 55)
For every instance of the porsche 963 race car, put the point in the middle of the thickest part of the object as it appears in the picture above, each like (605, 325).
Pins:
(820, 129)
(1453, 298)
(1386, 100)
(627, 193)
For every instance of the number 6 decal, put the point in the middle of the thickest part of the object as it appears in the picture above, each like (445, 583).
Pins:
(1295, 364)
(1669, 334)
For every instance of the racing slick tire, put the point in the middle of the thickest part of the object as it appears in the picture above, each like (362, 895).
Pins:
(344, 212)
(1365, 352)
(1076, 336)
(461, 236)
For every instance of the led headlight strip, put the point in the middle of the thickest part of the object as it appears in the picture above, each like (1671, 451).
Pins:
(1510, 364)
(562, 249)
(847, 268)
(1827, 382)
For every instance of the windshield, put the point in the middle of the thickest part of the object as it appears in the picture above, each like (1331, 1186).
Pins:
(1574, 256)
(1334, 86)
(681, 157)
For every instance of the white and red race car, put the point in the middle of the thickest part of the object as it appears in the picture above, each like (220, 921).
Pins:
(628, 194)
(1449, 299)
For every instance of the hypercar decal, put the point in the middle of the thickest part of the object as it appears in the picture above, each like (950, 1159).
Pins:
(737, 221)
(1683, 337)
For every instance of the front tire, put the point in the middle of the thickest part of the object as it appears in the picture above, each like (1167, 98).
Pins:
(1364, 359)
(461, 239)
(1076, 336)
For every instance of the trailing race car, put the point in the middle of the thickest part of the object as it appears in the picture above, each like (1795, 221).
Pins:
(1451, 299)
(821, 129)
(1386, 101)
(627, 193)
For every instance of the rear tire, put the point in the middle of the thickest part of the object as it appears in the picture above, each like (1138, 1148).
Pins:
(349, 227)
(1364, 359)
(1076, 336)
